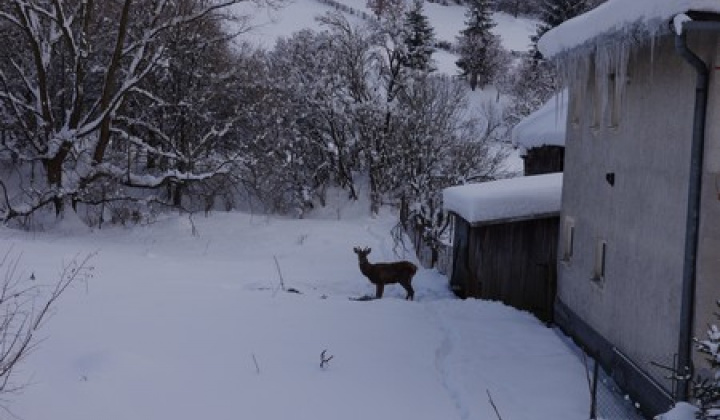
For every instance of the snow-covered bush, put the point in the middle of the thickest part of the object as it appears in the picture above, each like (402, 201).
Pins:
(706, 390)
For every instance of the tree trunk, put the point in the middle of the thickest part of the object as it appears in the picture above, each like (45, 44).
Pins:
(473, 81)
(109, 85)
(53, 174)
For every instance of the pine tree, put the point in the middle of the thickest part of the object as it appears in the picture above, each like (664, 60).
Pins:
(536, 79)
(479, 49)
(385, 7)
(555, 12)
(419, 39)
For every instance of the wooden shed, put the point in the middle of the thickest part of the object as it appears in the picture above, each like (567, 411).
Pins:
(541, 137)
(505, 241)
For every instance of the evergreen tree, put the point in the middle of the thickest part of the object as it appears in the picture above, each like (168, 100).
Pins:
(536, 79)
(555, 12)
(419, 39)
(518, 7)
(383, 8)
(481, 55)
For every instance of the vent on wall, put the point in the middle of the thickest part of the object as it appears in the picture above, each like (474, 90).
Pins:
(610, 178)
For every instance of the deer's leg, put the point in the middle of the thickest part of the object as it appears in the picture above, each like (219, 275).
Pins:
(379, 290)
(409, 289)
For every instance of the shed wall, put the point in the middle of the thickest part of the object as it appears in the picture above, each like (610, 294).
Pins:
(544, 160)
(510, 262)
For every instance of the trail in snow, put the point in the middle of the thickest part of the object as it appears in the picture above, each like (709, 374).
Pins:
(442, 354)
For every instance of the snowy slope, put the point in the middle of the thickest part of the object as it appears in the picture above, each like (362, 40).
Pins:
(446, 20)
(176, 326)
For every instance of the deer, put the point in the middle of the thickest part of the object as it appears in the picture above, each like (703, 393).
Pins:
(381, 274)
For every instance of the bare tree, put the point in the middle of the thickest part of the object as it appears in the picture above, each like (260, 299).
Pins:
(442, 147)
(69, 87)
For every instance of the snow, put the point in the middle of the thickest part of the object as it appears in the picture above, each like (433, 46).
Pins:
(186, 319)
(267, 25)
(681, 411)
(546, 126)
(679, 22)
(505, 199)
(619, 16)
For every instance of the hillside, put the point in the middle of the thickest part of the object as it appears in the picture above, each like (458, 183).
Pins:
(446, 20)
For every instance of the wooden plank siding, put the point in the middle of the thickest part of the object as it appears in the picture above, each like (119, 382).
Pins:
(512, 262)
(544, 160)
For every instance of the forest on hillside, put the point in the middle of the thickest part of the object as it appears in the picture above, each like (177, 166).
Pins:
(119, 110)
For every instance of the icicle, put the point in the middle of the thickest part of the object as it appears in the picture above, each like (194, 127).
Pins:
(653, 42)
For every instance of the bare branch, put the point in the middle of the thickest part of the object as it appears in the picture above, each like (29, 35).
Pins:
(324, 360)
(497, 413)
(19, 319)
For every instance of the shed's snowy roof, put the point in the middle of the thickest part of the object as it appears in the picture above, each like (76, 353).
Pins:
(507, 199)
(619, 16)
(546, 126)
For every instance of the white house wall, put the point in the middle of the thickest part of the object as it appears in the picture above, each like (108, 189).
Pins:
(708, 275)
(636, 306)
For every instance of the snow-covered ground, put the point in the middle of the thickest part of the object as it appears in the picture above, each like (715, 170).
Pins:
(187, 323)
(187, 318)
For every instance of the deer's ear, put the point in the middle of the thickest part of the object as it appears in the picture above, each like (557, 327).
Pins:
(367, 250)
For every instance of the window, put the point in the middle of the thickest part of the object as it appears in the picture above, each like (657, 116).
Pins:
(614, 100)
(569, 241)
(577, 102)
(598, 89)
(600, 261)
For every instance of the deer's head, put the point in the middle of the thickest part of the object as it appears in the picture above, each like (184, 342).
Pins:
(362, 252)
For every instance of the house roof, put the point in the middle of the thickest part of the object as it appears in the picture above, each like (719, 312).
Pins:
(544, 127)
(521, 198)
(624, 18)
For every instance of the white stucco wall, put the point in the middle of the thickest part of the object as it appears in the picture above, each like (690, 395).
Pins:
(642, 217)
(708, 274)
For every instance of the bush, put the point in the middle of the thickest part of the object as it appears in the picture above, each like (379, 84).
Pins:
(707, 389)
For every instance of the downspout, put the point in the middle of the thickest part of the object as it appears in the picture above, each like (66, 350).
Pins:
(692, 227)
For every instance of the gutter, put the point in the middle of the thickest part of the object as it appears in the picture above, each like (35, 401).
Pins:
(683, 24)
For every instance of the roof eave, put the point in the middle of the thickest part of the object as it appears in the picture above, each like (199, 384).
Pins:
(635, 33)
(506, 220)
